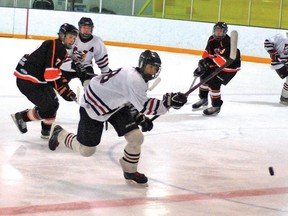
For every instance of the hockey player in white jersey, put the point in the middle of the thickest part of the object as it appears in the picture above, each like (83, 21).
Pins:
(86, 48)
(105, 99)
(277, 47)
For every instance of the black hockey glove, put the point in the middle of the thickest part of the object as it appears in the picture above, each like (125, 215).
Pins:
(205, 64)
(145, 122)
(175, 100)
(65, 92)
(80, 70)
(198, 73)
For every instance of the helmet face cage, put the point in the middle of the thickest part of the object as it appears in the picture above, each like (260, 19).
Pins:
(221, 25)
(85, 21)
(67, 29)
(151, 58)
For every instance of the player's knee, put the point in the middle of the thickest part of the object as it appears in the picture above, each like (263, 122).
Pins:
(52, 107)
(87, 151)
(49, 110)
(134, 137)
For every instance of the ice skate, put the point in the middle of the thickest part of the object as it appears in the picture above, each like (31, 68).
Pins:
(136, 178)
(201, 104)
(53, 140)
(19, 122)
(131, 175)
(45, 134)
(212, 111)
(284, 100)
(45, 130)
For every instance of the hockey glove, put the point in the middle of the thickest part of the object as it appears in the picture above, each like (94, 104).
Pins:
(66, 93)
(80, 70)
(205, 64)
(145, 122)
(274, 55)
(198, 72)
(175, 100)
(78, 56)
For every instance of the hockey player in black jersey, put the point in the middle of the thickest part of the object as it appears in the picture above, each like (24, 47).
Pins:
(216, 53)
(38, 74)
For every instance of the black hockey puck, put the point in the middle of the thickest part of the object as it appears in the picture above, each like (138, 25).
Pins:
(271, 171)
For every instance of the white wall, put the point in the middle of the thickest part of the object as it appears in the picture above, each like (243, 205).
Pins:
(141, 30)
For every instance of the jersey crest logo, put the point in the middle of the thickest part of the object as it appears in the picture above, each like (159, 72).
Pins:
(219, 51)
(84, 51)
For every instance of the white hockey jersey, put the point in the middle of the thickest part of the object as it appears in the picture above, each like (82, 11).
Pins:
(279, 43)
(93, 48)
(106, 94)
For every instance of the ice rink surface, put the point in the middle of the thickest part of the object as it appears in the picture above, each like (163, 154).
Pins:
(196, 165)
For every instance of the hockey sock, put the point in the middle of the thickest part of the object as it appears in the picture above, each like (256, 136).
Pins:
(69, 140)
(203, 91)
(32, 115)
(215, 98)
(132, 151)
(131, 158)
(284, 92)
(47, 123)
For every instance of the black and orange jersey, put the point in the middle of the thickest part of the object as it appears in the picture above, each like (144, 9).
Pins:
(42, 65)
(219, 52)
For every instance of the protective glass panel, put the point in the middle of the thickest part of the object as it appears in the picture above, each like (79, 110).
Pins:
(205, 10)
(284, 15)
(265, 13)
(235, 11)
(122, 7)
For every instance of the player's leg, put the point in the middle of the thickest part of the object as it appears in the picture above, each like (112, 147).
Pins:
(282, 72)
(284, 93)
(223, 78)
(45, 101)
(48, 107)
(88, 136)
(203, 98)
(215, 94)
(203, 93)
(126, 126)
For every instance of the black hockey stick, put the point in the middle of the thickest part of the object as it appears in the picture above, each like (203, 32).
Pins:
(232, 57)
(194, 80)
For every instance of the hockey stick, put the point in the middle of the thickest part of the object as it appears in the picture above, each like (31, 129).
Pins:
(194, 80)
(232, 57)
(154, 84)
(78, 94)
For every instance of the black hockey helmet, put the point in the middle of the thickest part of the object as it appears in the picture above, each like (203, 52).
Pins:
(85, 21)
(152, 58)
(67, 29)
(221, 25)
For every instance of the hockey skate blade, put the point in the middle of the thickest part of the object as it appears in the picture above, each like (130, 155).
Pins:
(44, 137)
(211, 115)
(284, 103)
(200, 108)
(135, 184)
